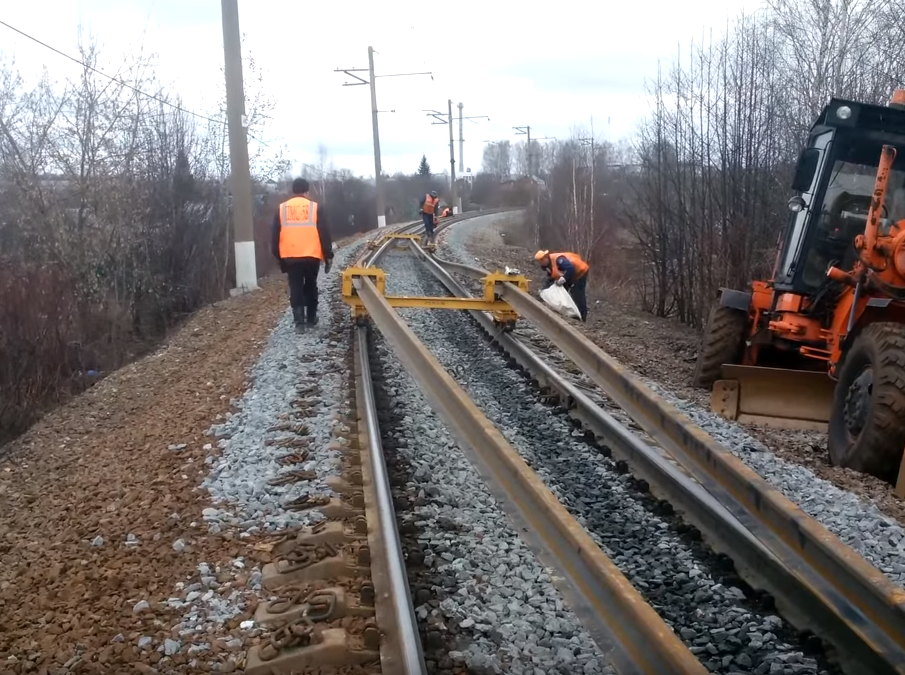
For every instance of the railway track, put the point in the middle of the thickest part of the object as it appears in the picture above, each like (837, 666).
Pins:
(649, 488)
(332, 583)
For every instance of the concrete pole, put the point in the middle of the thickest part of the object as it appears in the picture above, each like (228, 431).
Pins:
(240, 173)
(452, 163)
(378, 173)
(461, 144)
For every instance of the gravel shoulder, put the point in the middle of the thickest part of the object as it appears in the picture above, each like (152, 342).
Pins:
(92, 497)
(128, 532)
(859, 509)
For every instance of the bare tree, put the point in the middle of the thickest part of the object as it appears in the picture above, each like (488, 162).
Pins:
(497, 159)
(113, 223)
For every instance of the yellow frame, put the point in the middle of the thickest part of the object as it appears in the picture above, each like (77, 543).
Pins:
(502, 311)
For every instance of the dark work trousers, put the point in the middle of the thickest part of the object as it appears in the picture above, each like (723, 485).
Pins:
(579, 292)
(302, 274)
(428, 219)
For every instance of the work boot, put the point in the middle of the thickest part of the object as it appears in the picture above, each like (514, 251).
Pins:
(298, 315)
(312, 317)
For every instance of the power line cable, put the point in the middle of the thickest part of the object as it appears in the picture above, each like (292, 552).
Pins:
(153, 97)
(111, 77)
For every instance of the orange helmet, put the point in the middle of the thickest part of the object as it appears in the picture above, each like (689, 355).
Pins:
(540, 255)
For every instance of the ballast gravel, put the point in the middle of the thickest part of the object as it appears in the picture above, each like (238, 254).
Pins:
(856, 521)
(498, 601)
(297, 369)
(684, 582)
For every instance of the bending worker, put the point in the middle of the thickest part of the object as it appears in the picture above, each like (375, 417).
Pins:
(569, 270)
(429, 212)
(301, 240)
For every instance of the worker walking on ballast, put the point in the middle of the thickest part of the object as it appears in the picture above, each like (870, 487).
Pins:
(569, 270)
(429, 212)
(301, 240)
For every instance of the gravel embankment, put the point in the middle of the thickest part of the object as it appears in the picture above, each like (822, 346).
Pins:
(296, 396)
(483, 600)
(855, 520)
(101, 511)
(694, 591)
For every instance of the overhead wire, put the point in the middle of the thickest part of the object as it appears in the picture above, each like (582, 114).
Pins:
(112, 78)
(147, 95)
(153, 97)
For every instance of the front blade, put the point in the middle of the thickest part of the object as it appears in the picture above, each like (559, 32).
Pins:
(775, 397)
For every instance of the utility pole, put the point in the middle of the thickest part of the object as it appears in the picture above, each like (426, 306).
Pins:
(239, 173)
(462, 137)
(461, 141)
(452, 162)
(521, 131)
(590, 141)
(378, 171)
(447, 119)
(526, 131)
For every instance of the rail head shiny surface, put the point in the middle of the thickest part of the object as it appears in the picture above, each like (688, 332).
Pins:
(403, 639)
(619, 608)
(403, 653)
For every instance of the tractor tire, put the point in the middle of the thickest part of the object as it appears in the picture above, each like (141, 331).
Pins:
(867, 422)
(723, 342)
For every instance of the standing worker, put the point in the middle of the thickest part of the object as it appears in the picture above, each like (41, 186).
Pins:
(301, 240)
(569, 270)
(429, 212)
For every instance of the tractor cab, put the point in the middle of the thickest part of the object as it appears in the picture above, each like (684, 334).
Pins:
(834, 183)
(819, 346)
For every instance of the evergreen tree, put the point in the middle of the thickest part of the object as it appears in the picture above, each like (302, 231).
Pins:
(424, 169)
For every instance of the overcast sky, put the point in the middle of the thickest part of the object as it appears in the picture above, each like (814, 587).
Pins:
(550, 69)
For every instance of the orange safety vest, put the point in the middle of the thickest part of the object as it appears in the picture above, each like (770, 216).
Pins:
(430, 204)
(298, 229)
(581, 267)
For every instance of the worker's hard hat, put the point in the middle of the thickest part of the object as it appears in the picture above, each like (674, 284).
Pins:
(433, 193)
(540, 255)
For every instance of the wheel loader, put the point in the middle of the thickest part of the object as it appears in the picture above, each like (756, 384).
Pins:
(821, 345)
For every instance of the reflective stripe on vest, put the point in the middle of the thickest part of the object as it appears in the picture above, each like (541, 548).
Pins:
(299, 237)
(430, 204)
(581, 267)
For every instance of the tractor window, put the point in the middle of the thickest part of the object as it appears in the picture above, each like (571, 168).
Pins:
(796, 232)
(846, 202)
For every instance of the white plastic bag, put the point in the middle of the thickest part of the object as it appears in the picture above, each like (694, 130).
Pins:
(559, 300)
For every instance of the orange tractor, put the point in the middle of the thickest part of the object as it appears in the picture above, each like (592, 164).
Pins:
(822, 344)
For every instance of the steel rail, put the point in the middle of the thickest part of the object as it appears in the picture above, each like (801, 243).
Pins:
(400, 626)
(824, 582)
(404, 654)
(401, 652)
(635, 638)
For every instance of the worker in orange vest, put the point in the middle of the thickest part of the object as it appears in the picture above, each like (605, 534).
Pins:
(429, 212)
(569, 270)
(301, 240)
